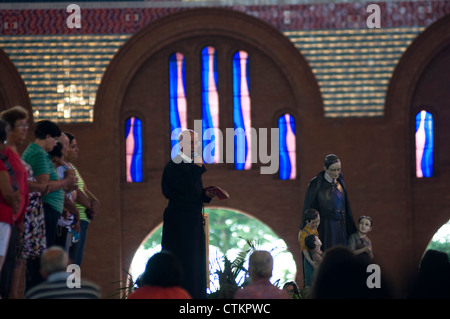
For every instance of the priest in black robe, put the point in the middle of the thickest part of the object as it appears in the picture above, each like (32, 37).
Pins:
(183, 227)
(326, 193)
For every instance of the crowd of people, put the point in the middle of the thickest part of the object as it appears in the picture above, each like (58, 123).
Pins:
(341, 274)
(44, 202)
(46, 208)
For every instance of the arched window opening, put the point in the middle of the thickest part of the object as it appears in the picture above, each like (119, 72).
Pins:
(133, 141)
(424, 144)
(287, 145)
(178, 104)
(241, 112)
(229, 234)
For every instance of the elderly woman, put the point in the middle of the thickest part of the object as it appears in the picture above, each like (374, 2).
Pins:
(17, 118)
(9, 197)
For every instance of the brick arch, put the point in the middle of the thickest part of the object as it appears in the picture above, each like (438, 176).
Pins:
(12, 87)
(415, 84)
(119, 93)
(212, 207)
(413, 64)
(211, 22)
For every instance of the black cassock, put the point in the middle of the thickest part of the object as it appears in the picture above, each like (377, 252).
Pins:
(331, 201)
(183, 227)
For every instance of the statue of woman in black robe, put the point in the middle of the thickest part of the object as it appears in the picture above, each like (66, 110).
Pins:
(183, 227)
(327, 194)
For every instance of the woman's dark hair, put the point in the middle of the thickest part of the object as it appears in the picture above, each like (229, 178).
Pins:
(163, 270)
(69, 136)
(330, 159)
(56, 151)
(310, 242)
(46, 127)
(4, 129)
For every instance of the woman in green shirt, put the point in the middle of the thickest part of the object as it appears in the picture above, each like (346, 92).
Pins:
(36, 155)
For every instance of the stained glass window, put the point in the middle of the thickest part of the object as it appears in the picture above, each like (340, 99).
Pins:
(178, 104)
(424, 144)
(286, 126)
(210, 106)
(241, 111)
(133, 138)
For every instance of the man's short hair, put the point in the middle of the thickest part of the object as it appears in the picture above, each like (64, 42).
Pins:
(46, 127)
(54, 259)
(261, 264)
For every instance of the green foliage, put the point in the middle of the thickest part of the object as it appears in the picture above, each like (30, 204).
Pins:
(442, 243)
(235, 235)
(154, 239)
(228, 229)
(126, 289)
(228, 275)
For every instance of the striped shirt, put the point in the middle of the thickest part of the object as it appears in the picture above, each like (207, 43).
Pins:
(57, 287)
(80, 184)
(40, 162)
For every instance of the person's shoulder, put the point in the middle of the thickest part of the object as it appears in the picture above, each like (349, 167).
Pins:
(36, 291)
(316, 179)
(7, 151)
(171, 165)
(174, 161)
(90, 284)
(90, 288)
(59, 289)
(182, 293)
(240, 293)
(355, 235)
(33, 152)
(9, 154)
(33, 147)
(280, 293)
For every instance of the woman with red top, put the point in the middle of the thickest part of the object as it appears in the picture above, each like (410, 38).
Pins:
(9, 194)
(161, 279)
(17, 119)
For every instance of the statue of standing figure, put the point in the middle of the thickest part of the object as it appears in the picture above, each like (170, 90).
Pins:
(327, 194)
